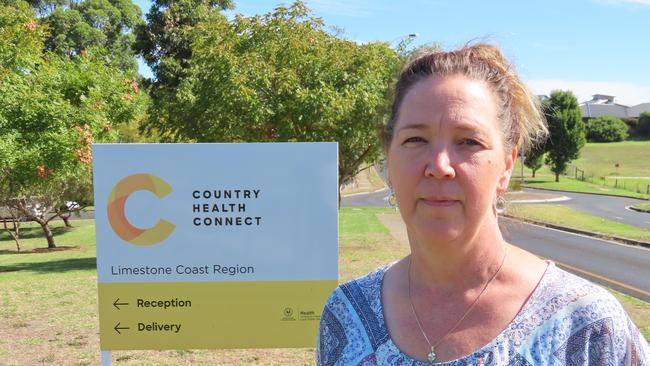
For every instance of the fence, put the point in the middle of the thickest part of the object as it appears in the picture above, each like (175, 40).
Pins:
(628, 184)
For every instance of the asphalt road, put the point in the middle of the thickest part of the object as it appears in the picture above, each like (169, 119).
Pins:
(625, 268)
(611, 208)
(375, 199)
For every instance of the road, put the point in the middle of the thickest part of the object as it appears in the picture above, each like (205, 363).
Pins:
(375, 199)
(611, 208)
(625, 268)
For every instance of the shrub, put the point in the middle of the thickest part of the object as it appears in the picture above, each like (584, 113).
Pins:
(606, 129)
(643, 126)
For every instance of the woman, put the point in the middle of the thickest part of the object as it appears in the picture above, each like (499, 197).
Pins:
(464, 296)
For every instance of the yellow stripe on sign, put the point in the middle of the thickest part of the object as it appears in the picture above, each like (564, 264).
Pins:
(186, 315)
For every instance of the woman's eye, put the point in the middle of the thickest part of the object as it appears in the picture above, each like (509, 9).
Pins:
(414, 140)
(469, 142)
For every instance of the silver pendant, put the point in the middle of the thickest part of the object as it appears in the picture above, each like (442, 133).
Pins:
(431, 356)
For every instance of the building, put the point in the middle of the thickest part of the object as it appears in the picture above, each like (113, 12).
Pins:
(601, 105)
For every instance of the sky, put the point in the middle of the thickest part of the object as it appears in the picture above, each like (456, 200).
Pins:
(587, 46)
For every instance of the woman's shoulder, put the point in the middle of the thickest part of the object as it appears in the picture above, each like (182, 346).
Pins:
(568, 298)
(568, 316)
(352, 323)
(562, 290)
(365, 288)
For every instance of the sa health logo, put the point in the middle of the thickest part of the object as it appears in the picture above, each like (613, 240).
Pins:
(117, 216)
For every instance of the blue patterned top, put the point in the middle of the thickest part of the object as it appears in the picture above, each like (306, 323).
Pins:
(566, 321)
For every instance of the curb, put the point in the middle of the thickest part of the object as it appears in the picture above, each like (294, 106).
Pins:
(365, 192)
(592, 193)
(637, 209)
(548, 200)
(582, 232)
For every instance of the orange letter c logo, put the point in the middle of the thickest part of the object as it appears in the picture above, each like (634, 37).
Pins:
(117, 217)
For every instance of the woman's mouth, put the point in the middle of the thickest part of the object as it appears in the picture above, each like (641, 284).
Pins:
(439, 201)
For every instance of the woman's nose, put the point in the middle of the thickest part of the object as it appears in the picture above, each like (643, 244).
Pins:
(439, 164)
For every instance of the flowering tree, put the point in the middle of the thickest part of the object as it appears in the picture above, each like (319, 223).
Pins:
(52, 109)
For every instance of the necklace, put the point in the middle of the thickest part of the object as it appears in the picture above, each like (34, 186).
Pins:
(431, 356)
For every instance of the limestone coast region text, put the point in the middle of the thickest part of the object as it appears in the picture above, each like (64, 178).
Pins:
(212, 269)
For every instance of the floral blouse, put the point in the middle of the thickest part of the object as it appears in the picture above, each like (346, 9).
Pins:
(566, 321)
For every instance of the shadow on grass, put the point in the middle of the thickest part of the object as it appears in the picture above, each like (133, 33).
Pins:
(61, 248)
(33, 232)
(64, 265)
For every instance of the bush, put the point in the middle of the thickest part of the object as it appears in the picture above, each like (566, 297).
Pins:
(643, 126)
(631, 122)
(606, 129)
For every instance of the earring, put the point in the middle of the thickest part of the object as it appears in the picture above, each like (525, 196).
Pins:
(392, 200)
(499, 205)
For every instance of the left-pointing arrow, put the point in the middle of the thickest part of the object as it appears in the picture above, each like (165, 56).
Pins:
(117, 303)
(118, 328)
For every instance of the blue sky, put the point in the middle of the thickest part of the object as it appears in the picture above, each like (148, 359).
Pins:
(588, 46)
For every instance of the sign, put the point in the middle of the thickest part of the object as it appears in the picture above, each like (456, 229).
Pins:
(214, 245)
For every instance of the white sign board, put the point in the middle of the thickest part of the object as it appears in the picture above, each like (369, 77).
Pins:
(214, 245)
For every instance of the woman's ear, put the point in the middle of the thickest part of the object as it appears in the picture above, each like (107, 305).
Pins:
(509, 166)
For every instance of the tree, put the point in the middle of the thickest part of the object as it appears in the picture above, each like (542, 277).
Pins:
(165, 40)
(606, 129)
(76, 26)
(643, 127)
(566, 130)
(534, 157)
(281, 77)
(8, 153)
(52, 109)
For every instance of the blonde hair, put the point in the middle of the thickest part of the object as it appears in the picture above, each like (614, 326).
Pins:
(522, 122)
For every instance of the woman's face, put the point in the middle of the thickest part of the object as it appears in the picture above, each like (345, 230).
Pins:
(446, 160)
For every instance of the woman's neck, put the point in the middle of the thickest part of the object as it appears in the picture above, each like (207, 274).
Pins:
(466, 262)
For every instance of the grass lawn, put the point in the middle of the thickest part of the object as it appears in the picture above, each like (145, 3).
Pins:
(643, 206)
(568, 217)
(598, 161)
(600, 158)
(375, 179)
(574, 185)
(48, 299)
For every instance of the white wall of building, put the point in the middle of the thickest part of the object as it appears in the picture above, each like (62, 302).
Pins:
(638, 109)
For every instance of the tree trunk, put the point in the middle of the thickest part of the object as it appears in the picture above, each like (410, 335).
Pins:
(15, 233)
(66, 220)
(48, 234)
(557, 177)
(339, 197)
(534, 170)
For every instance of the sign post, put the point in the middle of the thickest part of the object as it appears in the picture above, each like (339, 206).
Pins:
(214, 245)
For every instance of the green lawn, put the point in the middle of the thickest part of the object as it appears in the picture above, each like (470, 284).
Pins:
(599, 159)
(643, 206)
(598, 165)
(573, 185)
(568, 217)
